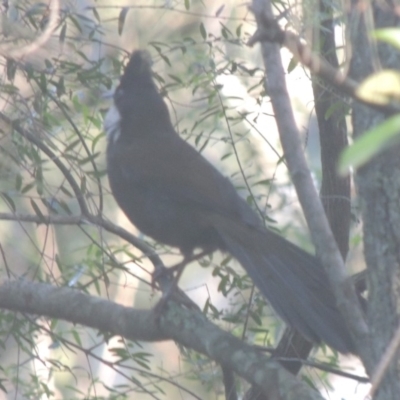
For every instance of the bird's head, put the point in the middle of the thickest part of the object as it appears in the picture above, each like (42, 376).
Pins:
(138, 107)
(137, 71)
(136, 79)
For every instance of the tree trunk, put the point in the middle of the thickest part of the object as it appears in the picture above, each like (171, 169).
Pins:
(378, 185)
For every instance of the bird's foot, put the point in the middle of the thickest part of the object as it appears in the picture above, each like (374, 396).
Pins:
(167, 280)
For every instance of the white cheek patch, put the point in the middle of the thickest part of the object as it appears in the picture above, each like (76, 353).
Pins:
(111, 124)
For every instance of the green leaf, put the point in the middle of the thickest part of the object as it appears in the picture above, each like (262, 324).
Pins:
(37, 210)
(72, 145)
(263, 182)
(8, 200)
(75, 22)
(381, 87)
(39, 180)
(27, 187)
(292, 65)
(388, 35)
(370, 144)
(122, 18)
(219, 11)
(96, 140)
(9, 89)
(175, 78)
(165, 58)
(18, 182)
(89, 158)
(256, 318)
(96, 14)
(226, 155)
(2, 387)
(66, 191)
(60, 87)
(203, 31)
(11, 68)
(43, 83)
(239, 30)
(225, 31)
(64, 206)
(76, 336)
(63, 33)
(337, 106)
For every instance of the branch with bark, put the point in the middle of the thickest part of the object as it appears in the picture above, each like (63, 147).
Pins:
(187, 327)
(269, 31)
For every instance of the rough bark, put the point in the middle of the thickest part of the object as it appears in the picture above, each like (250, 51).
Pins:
(188, 327)
(378, 186)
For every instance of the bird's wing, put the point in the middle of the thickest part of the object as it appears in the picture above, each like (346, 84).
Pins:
(172, 168)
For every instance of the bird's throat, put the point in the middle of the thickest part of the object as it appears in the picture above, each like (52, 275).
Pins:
(112, 124)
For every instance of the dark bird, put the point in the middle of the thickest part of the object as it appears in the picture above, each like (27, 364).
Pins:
(174, 195)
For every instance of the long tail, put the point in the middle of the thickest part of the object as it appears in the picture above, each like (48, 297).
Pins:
(293, 281)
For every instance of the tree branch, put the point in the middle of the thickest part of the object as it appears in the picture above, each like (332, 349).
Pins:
(188, 327)
(268, 31)
(307, 194)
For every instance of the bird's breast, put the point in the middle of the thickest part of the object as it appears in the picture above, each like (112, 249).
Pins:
(112, 124)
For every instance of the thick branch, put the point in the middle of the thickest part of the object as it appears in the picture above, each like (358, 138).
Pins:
(188, 327)
(74, 306)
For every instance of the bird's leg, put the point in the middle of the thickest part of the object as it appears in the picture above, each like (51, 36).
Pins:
(162, 276)
(168, 282)
(187, 259)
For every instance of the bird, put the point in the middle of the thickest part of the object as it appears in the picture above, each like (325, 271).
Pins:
(172, 194)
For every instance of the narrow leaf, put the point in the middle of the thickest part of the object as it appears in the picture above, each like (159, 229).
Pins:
(9, 201)
(203, 32)
(122, 18)
(381, 87)
(388, 35)
(37, 210)
(370, 144)
(219, 11)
